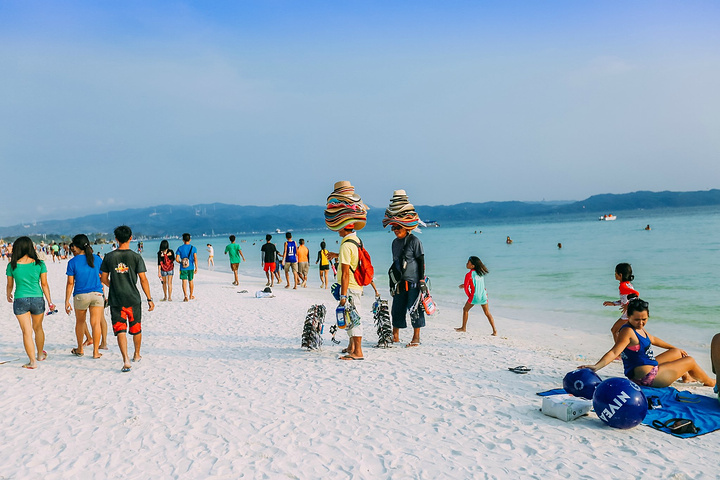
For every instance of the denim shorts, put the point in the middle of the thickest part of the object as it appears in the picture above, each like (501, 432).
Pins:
(34, 305)
(169, 273)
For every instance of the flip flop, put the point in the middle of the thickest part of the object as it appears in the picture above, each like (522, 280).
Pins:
(348, 357)
(412, 344)
(45, 355)
(125, 369)
(75, 352)
(521, 369)
(29, 367)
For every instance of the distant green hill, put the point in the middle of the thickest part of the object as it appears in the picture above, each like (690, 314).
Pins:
(218, 218)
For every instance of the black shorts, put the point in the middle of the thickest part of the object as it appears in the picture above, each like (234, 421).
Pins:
(126, 319)
(324, 267)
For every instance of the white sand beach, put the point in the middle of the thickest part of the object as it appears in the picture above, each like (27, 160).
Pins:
(225, 391)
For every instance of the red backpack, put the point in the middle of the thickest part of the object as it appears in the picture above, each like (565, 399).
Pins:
(364, 273)
(166, 263)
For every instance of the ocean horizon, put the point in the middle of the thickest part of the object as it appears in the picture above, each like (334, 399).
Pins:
(675, 266)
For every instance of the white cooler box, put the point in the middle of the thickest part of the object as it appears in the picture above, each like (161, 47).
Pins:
(565, 407)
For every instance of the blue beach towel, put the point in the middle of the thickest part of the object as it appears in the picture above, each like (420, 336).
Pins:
(554, 391)
(704, 411)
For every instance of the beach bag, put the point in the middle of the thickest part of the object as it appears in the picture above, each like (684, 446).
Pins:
(166, 264)
(677, 426)
(396, 273)
(428, 304)
(364, 273)
(427, 301)
(186, 260)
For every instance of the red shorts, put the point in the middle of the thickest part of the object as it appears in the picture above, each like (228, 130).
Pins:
(269, 266)
(126, 319)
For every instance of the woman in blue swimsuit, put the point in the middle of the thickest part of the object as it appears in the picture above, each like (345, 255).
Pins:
(634, 345)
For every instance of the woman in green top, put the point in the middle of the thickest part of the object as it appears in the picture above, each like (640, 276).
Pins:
(28, 274)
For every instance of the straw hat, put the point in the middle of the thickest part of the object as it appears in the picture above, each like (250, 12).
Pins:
(401, 212)
(345, 208)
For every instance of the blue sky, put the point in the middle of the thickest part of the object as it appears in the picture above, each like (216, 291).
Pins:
(111, 105)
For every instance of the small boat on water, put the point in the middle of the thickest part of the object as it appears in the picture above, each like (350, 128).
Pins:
(607, 218)
(432, 223)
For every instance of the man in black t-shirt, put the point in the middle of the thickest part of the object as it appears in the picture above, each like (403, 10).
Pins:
(269, 251)
(120, 271)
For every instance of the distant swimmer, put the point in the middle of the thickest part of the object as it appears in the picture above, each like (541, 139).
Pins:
(648, 228)
(559, 245)
(508, 240)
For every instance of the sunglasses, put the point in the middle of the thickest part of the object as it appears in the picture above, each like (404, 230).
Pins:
(396, 228)
(641, 304)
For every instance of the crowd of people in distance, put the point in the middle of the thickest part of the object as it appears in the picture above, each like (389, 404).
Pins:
(119, 271)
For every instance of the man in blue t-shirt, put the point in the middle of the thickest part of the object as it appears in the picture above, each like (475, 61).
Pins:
(186, 256)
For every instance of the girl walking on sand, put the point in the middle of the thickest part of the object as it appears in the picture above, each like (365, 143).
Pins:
(28, 275)
(166, 269)
(322, 257)
(474, 286)
(83, 284)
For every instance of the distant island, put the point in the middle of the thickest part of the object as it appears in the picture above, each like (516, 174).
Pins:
(218, 218)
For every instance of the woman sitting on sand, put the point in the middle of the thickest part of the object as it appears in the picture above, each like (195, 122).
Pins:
(634, 345)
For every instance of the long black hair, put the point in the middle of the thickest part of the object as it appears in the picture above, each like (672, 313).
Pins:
(625, 272)
(81, 242)
(164, 245)
(21, 247)
(637, 305)
(478, 266)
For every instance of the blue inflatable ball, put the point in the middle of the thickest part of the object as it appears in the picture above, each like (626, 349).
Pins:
(581, 383)
(620, 403)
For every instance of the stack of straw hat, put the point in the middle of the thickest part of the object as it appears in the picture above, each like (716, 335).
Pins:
(345, 208)
(401, 212)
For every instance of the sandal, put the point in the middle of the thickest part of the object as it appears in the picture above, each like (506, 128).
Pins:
(521, 369)
(77, 353)
(350, 357)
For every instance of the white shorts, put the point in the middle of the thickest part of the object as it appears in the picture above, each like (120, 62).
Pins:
(355, 330)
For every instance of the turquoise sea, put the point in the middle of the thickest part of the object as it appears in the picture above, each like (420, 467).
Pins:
(676, 266)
